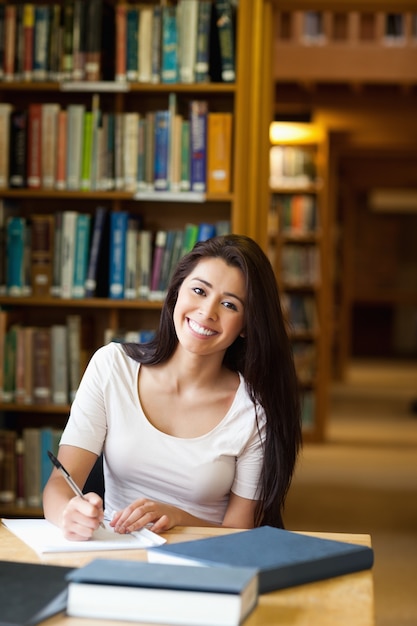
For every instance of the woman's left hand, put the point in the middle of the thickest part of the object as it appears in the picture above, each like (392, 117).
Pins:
(157, 516)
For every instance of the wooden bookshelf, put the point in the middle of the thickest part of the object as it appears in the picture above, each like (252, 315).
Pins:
(239, 205)
(342, 41)
(298, 245)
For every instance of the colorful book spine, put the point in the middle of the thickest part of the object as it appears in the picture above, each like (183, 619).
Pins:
(145, 44)
(87, 150)
(161, 164)
(117, 256)
(5, 113)
(169, 70)
(82, 247)
(198, 145)
(40, 42)
(121, 38)
(28, 38)
(185, 180)
(15, 248)
(219, 152)
(48, 144)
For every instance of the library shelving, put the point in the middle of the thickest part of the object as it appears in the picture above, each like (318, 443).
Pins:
(165, 209)
(298, 240)
(341, 41)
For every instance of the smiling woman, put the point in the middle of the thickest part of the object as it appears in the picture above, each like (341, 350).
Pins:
(200, 426)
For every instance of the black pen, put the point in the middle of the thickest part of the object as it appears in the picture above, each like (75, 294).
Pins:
(68, 478)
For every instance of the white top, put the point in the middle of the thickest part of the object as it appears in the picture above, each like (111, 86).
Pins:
(194, 474)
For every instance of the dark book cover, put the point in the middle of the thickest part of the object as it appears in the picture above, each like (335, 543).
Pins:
(30, 592)
(283, 558)
(17, 148)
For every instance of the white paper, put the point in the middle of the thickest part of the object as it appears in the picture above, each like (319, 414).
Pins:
(42, 536)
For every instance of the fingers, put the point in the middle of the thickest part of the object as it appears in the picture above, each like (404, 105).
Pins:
(81, 517)
(140, 514)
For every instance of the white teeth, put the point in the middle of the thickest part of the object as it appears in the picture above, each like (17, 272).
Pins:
(199, 329)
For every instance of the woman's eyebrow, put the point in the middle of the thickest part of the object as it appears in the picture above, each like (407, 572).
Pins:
(229, 294)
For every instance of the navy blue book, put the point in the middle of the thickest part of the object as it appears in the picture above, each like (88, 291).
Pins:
(168, 594)
(283, 558)
(31, 592)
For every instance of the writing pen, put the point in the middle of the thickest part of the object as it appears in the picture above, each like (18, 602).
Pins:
(68, 478)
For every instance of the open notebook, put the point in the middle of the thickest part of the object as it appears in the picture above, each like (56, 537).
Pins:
(42, 536)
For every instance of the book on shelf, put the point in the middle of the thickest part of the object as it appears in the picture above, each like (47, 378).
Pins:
(188, 24)
(116, 589)
(41, 355)
(282, 558)
(121, 38)
(34, 146)
(18, 61)
(198, 145)
(131, 45)
(117, 253)
(68, 244)
(5, 114)
(131, 265)
(7, 466)
(75, 133)
(61, 150)
(170, 45)
(157, 261)
(156, 51)
(79, 40)
(57, 254)
(145, 264)
(81, 252)
(20, 366)
(185, 174)
(219, 152)
(28, 37)
(18, 141)
(93, 44)
(130, 150)
(31, 592)
(97, 252)
(202, 57)
(68, 33)
(75, 365)
(40, 42)
(56, 46)
(144, 43)
(32, 466)
(59, 364)
(9, 41)
(87, 151)
(162, 141)
(15, 260)
(226, 35)
(42, 252)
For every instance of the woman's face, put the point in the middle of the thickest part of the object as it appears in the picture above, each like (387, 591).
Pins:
(209, 312)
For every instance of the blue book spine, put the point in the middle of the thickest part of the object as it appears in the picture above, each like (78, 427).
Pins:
(46, 444)
(169, 45)
(15, 260)
(41, 42)
(82, 243)
(206, 231)
(198, 145)
(202, 64)
(161, 174)
(117, 259)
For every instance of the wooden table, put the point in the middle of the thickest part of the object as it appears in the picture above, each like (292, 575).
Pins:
(343, 601)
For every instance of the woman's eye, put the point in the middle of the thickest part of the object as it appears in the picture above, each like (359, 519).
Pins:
(199, 291)
(230, 305)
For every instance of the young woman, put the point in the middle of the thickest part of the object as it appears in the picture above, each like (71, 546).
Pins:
(200, 426)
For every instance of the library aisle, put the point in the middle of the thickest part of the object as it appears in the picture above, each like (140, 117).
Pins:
(364, 479)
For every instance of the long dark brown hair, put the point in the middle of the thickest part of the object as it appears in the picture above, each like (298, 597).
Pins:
(263, 357)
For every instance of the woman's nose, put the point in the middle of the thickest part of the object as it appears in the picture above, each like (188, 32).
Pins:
(209, 309)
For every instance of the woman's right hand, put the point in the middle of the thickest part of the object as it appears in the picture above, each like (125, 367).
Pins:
(82, 516)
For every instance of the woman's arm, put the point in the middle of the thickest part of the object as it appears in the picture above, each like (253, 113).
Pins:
(77, 517)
